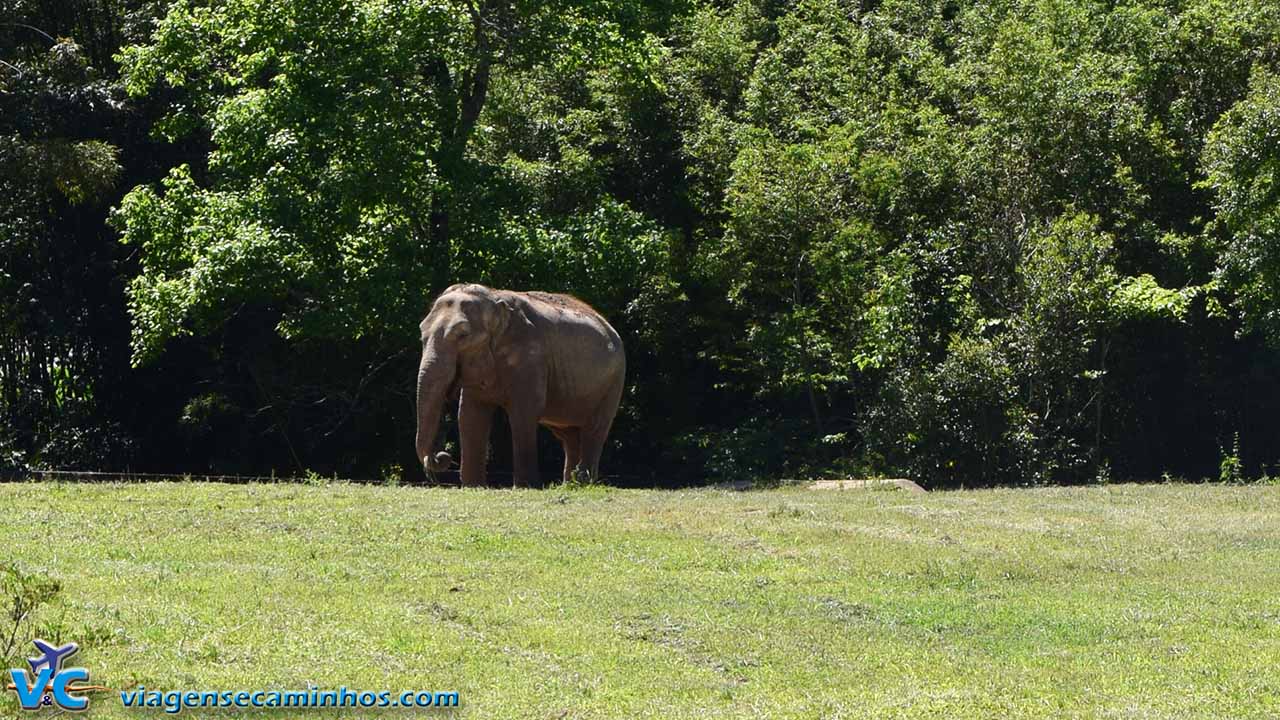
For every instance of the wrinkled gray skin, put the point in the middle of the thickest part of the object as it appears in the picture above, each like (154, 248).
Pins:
(544, 358)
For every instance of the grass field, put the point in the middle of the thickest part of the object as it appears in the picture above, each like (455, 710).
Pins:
(1128, 601)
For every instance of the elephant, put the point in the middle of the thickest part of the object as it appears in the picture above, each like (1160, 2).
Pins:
(545, 358)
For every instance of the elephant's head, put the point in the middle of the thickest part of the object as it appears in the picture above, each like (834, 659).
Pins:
(463, 328)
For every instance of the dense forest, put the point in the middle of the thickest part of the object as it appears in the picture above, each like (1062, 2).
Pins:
(966, 241)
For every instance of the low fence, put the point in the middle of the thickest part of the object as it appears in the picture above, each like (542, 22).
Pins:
(86, 476)
(444, 479)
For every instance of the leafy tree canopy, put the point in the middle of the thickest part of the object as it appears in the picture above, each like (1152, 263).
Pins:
(339, 188)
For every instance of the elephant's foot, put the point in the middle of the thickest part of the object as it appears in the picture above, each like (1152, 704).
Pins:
(473, 478)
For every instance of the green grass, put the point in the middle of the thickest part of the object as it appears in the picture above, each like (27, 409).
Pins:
(1123, 601)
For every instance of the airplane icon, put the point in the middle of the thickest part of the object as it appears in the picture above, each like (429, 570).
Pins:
(52, 657)
(52, 660)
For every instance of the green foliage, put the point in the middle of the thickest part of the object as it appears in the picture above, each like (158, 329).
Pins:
(1242, 165)
(339, 188)
(1142, 297)
(391, 475)
(736, 454)
(22, 593)
(973, 242)
(953, 213)
(61, 159)
(1231, 468)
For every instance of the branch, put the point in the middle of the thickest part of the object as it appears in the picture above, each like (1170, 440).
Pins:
(360, 388)
(477, 83)
(47, 36)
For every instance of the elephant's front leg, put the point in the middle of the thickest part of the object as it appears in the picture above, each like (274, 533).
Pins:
(524, 448)
(528, 399)
(475, 418)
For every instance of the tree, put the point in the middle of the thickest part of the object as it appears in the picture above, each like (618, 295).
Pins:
(974, 241)
(338, 176)
(60, 121)
(349, 174)
(1242, 167)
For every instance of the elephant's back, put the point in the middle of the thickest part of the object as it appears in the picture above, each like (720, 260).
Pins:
(562, 302)
(585, 352)
(561, 308)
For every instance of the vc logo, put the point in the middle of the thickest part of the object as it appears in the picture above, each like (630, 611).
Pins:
(49, 683)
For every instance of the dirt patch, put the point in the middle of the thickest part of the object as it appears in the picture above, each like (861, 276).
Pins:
(879, 484)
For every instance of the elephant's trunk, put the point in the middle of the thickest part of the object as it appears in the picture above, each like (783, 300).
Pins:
(435, 374)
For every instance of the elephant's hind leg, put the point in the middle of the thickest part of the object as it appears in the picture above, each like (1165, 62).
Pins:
(571, 439)
(596, 433)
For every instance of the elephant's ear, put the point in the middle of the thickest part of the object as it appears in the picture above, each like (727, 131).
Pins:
(505, 311)
(498, 319)
(509, 310)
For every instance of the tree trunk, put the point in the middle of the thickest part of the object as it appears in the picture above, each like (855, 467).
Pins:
(469, 94)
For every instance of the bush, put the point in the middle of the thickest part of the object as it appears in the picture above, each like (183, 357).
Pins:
(21, 595)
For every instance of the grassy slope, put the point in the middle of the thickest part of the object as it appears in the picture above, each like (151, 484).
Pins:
(1124, 601)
